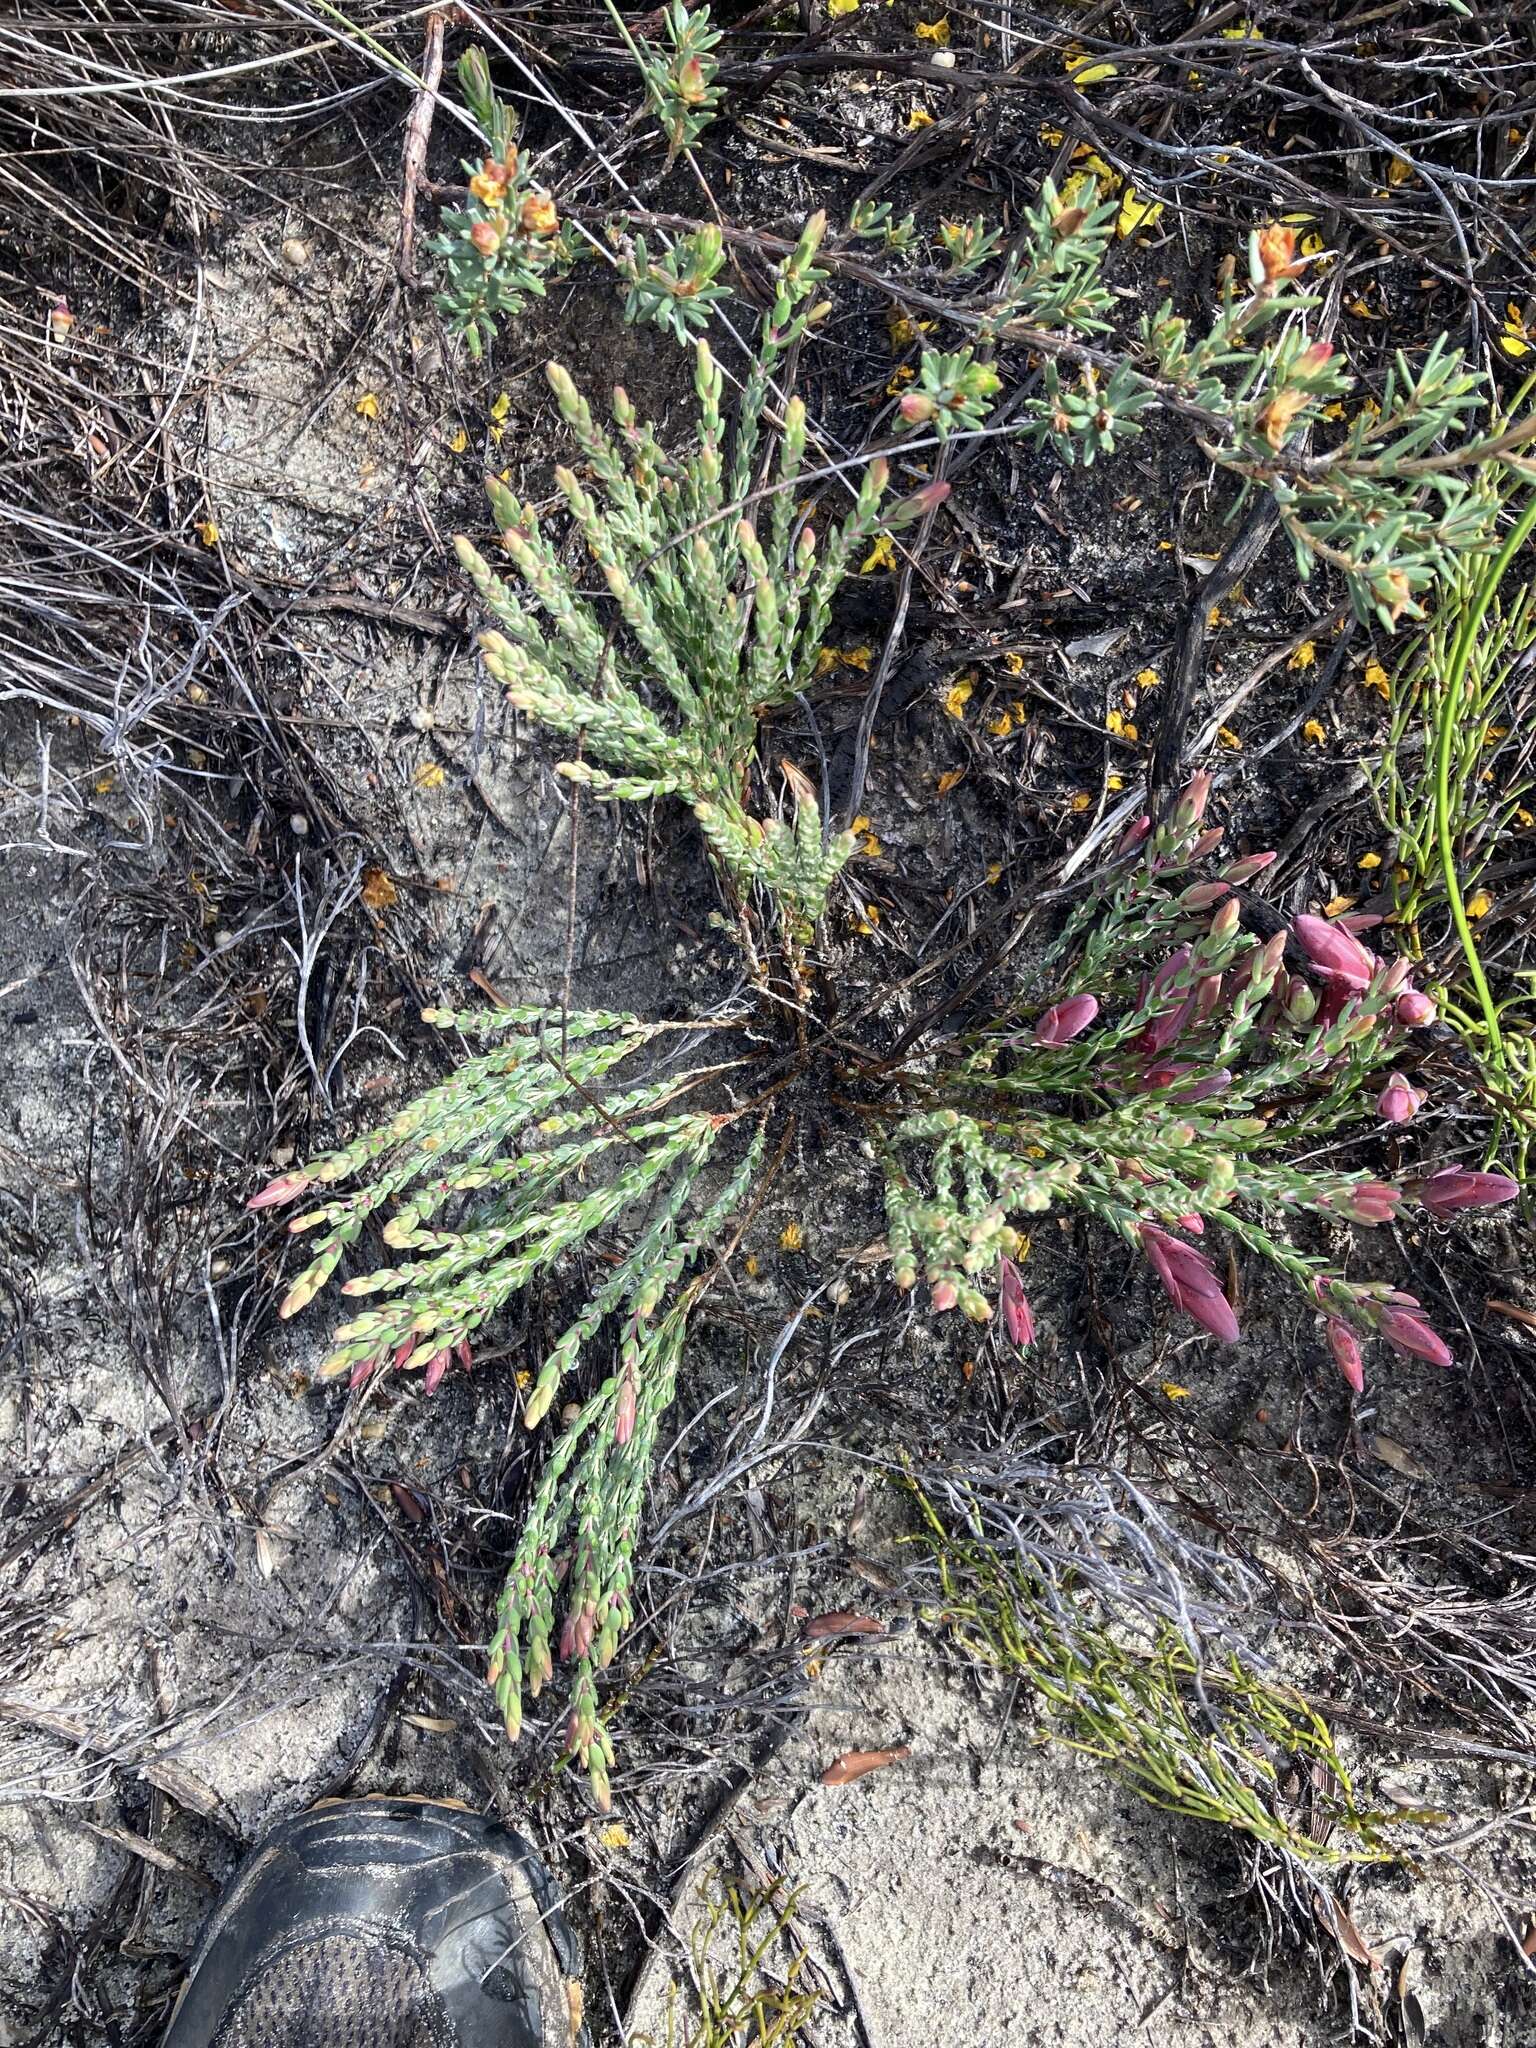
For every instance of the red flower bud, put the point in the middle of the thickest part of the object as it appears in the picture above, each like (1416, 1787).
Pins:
(286, 1188)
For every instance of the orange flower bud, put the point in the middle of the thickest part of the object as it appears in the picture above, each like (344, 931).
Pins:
(486, 236)
(538, 214)
(1274, 255)
(690, 84)
(1279, 416)
(1068, 221)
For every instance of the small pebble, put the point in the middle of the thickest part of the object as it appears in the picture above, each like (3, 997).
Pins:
(945, 59)
(298, 825)
(295, 253)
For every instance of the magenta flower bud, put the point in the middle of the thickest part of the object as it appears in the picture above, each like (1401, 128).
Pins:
(1063, 1021)
(1368, 1201)
(945, 1295)
(1017, 1316)
(1398, 1102)
(1133, 835)
(361, 1371)
(286, 1188)
(1334, 952)
(1450, 1188)
(1201, 895)
(1357, 921)
(437, 1365)
(1207, 843)
(1414, 1009)
(463, 1353)
(1396, 977)
(1412, 1336)
(1195, 1225)
(1245, 869)
(1346, 1352)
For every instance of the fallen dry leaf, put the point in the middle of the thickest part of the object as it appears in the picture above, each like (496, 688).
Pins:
(841, 1622)
(858, 1763)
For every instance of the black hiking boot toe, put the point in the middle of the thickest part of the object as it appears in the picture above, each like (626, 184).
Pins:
(384, 1923)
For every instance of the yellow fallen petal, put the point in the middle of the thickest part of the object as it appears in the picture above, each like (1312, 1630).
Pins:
(367, 406)
(1305, 655)
(957, 696)
(870, 844)
(858, 657)
(1081, 799)
(458, 442)
(934, 31)
(791, 1238)
(1001, 725)
(1368, 861)
(616, 1835)
(1479, 904)
(1093, 74)
(1398, 172)
(919, 118)
(1229, 738)
(881, 556)
(1313, 730)
(950, 779)
(1174, 1391)
(1051, 137)
(1136, 213)
(207, 532)
(501, 405)
(1147, 679)
(1014, 664)
(430, 775)
(1376, 679)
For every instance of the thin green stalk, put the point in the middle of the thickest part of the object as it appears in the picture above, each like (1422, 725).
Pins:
(1461, 655)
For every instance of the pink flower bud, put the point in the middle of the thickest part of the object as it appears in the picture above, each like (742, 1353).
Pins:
(1368, 1201)
(1133, 835)
(1063, 1021)
(464, 1355)
(916, 408)
(1411, 1335)
(1334, 952)
(1189, 1282)
(1017, 1316)
(945, 1295)
(286, 1188)
(1414, 1009)
(1207, 843)
(624, 1413)
(1227, 919)
(1245, 869)
(361, 1371)
(1201, 895)
(1398, 1102)
(1357, 921)
(1346, 1352)
(437, 1365)
(1450, 1188)
(1190, 808)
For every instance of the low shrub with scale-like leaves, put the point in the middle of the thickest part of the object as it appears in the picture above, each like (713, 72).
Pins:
(719, 617)
(531, 1151)
(1180, 1083)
